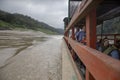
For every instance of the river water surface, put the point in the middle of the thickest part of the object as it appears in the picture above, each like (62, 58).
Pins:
(29, 55)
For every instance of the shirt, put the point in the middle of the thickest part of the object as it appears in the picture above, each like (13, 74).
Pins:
(115, 54)
(81, 35)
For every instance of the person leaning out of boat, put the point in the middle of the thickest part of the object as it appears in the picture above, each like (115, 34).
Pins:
(110, 50)
(81, 36)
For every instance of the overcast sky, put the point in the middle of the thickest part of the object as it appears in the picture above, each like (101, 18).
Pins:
(51, 12)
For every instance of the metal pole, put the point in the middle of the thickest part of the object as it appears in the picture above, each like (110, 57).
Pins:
(101, 30)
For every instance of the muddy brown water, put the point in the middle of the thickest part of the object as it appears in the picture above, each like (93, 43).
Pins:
(29, 55)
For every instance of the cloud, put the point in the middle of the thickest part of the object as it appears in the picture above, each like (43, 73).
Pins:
(49, 11)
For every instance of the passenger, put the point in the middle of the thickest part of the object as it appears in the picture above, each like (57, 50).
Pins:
(76, 38)
(82, 35)
(99, 45)
(118, 44)
(110, 50)
(76, 34)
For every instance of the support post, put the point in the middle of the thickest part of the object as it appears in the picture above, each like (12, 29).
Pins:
(91, 29)
(91, 36)
(73, 33)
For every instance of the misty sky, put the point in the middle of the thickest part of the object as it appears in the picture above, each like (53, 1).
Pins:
(51, 12)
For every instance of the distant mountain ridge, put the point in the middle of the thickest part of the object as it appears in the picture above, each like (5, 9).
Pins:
(10, 21)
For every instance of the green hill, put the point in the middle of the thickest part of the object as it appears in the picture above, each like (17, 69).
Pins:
(111, 26)
(10, 21)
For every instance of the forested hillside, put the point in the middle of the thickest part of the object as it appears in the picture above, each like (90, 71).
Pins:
(110, 26)
(10, 21)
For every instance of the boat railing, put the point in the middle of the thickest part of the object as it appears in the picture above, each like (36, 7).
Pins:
(99, 65)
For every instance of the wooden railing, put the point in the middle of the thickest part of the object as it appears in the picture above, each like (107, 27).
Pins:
(101, 66)
(98, 65)
(107, 35)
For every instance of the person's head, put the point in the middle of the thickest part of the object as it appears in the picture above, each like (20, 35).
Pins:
(105, 38)
(106, 43)
(83, 28)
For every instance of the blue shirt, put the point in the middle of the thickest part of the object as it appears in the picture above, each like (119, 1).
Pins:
(115, 54)
(81, 35)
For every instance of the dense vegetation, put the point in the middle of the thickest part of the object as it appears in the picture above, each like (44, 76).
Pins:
(111, 26)
(10, 21)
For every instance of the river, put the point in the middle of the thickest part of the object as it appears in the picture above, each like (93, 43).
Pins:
(29, 55)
